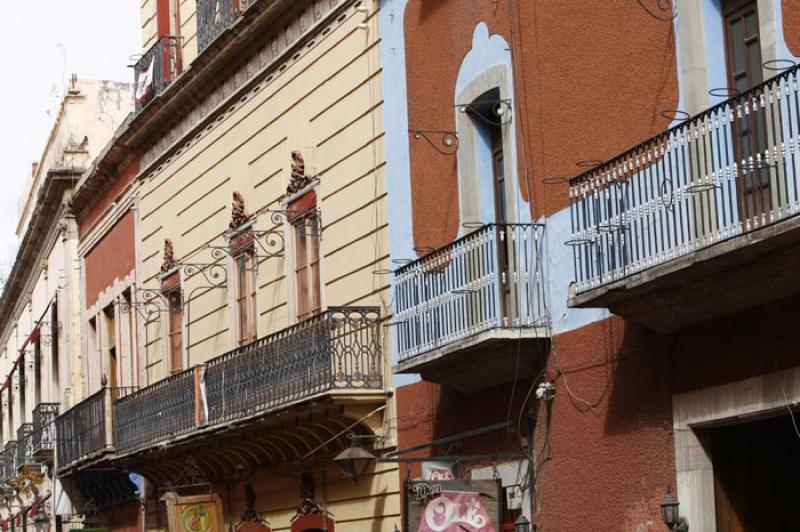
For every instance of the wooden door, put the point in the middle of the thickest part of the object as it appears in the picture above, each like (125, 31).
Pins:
(743, 54)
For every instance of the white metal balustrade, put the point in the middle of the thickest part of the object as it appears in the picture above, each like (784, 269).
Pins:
(490, 278)
(725, 172)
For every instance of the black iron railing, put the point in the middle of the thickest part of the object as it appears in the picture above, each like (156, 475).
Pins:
(44, 430)
(214, 17)
(725, 172)
(85, 430)
(159, 412)
(338, 350)
(24, 445)
(9, 460)
(490, 278)
(156, 69)
(81, 430)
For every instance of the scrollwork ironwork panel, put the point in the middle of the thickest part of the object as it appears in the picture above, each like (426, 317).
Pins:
(214, 17)
(156, 69)
(43, 437)
(156, 413)
(338, 349)
(81, 430)
(24, 445)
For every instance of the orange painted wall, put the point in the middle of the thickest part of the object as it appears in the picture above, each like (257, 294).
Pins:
(586, 89)
(112, 258)
(791, 25)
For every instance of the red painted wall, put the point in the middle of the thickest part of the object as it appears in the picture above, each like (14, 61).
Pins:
(604, 446)
(126, 518)
(119, 182)
(791, 25)
(112, 258)
(585, 90)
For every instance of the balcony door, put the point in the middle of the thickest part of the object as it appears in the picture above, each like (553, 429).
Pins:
(489, 127)
(744, 65)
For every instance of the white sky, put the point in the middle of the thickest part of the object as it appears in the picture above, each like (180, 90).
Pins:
(43, 43)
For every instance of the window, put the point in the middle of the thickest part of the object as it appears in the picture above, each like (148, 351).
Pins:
(175, 316)
(37, 369)
(168, 17)
(54, 362)
(23, 392)
(244, 262)
(306, 229)
(744, 70)
(488, 125)
(111, 345)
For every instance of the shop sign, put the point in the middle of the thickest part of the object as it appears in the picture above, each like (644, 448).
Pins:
(453, 506)
(438, 471)
(200, 513)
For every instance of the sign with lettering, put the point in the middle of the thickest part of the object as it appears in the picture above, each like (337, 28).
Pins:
(438, 471)
(453, 506)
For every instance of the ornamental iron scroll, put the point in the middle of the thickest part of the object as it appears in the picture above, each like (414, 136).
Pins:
(444, 142)
(191, 477)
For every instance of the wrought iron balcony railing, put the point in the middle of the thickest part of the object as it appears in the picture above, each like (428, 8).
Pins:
(156, 413)
(44, 431)
(490, 278)
(24, 445)
(85, 430)
(9, 460)
(157, 68)
(215, 16)
(725, 172)
(338, 350)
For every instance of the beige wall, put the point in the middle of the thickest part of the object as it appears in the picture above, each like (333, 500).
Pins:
(327, 105)
(92, 110)
(188, 27)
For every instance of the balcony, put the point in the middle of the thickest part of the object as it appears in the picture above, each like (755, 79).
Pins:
(214, 17)
(699, 221)
(25, 446)
(85, 431)
(337, 352)
(465, 311)
(8, 460)
(156, 69)
(44, 434)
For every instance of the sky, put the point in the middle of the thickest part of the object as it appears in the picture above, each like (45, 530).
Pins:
(44, 43)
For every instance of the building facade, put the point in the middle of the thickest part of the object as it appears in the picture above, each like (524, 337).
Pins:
(41, 330)
(236, 367)
(591, 209)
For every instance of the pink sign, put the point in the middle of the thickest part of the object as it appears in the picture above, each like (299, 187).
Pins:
(456, 511)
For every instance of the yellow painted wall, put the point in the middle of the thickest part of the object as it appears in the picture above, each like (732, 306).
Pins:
(327, 105)
(370, 505)
(188, 27)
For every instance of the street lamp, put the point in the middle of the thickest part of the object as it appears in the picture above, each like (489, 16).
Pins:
(354, 461)
(671, 515)
(521, 524)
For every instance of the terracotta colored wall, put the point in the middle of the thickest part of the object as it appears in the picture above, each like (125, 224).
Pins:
(604, 447)
(585, 90)
(113, 257)
(121, 180)
(791, 25)
(126, 518)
